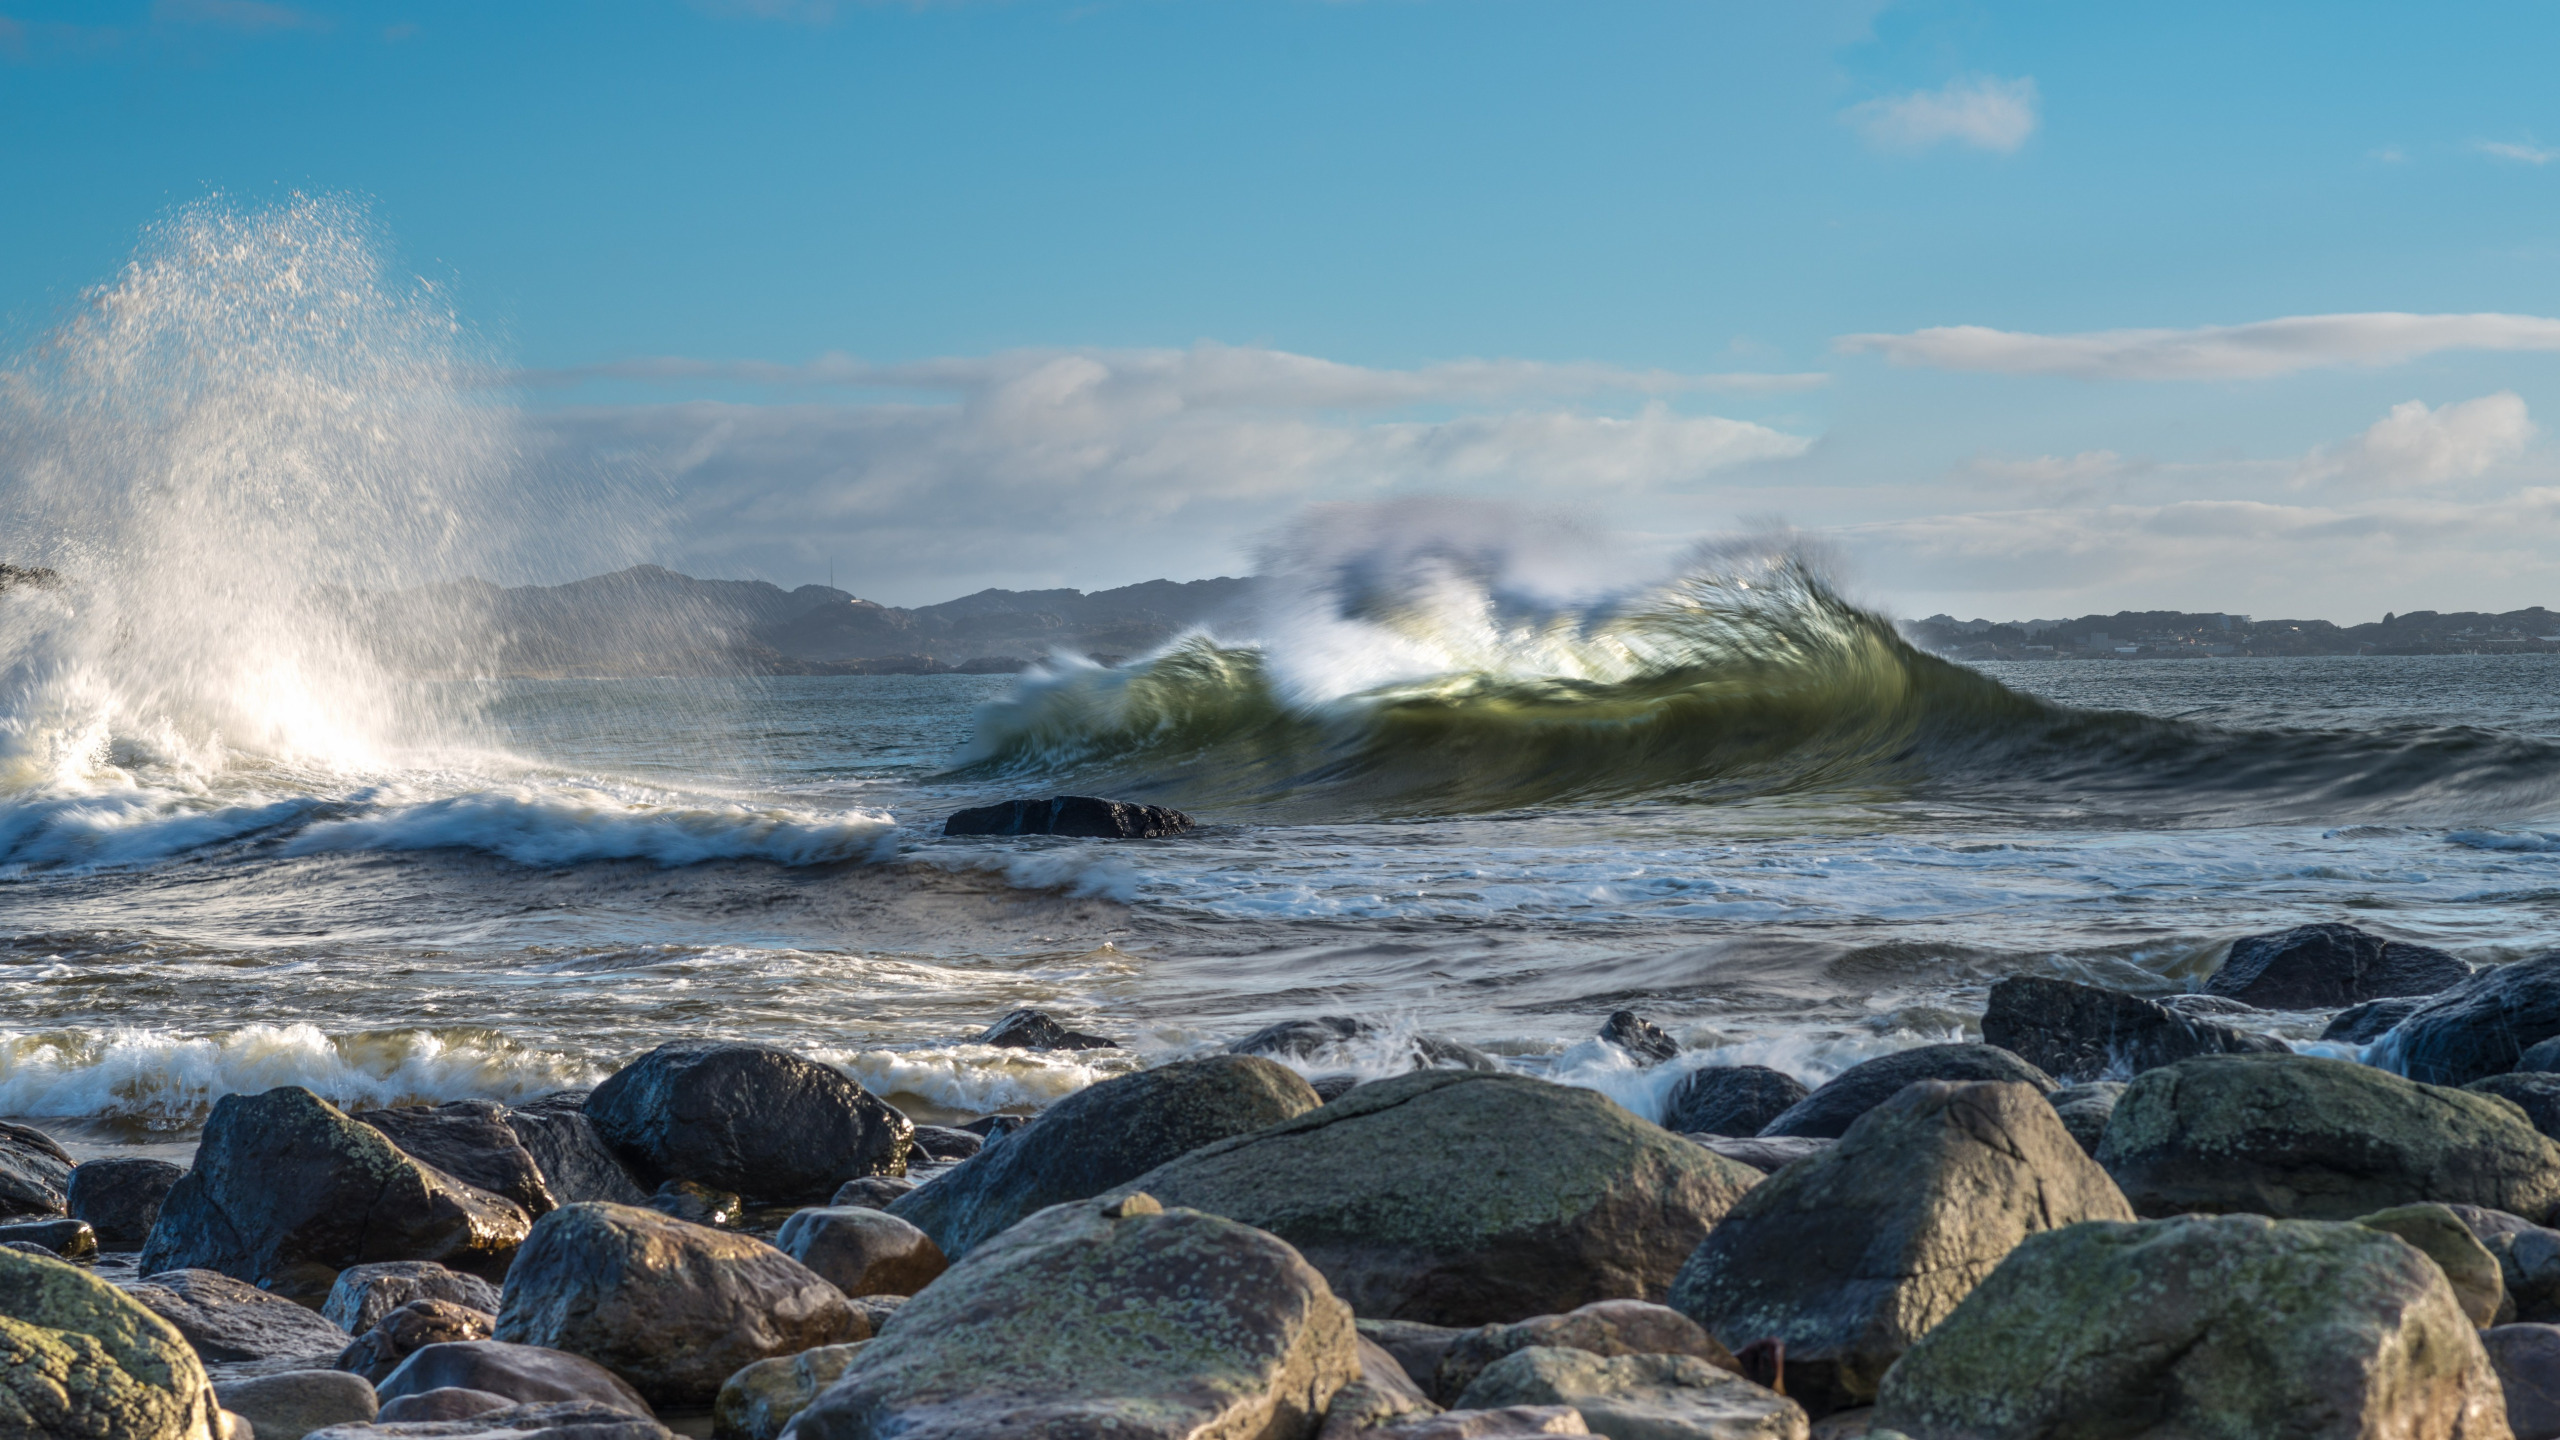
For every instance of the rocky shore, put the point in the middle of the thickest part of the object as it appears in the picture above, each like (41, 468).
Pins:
(2113, 1216)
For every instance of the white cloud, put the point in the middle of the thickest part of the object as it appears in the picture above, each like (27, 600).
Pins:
(2416, 445)
(2214, 352)
(1983, 111)
(2507, 150)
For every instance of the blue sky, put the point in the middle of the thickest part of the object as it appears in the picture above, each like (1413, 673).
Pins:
(1031, 293)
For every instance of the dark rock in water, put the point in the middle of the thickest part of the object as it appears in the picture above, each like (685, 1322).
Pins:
(873, 1192)
(862, 1252)
(2322, 967)
(1033, 1030)
(82, 1359)
(992, 1126)
(2214, 1007)
(758, 1120)
(449, 1403)
(525, 1374)
(1330, 1088)
(2536, 1093)
(1119, 1318)
(227, 1320)
(2081, 1032)
(2480, 1027)
(2085, 1110)
(471, 1141)
(2297, 1137)
(1831, 1110)
(1079, 815)
(943, 1142)
(1307, 1039)
(409, 1329)
(697, 1204)
(1639, 1037)
(672, 1308)
(1603, 1327)
(287, 1191)
(70, 1239)
(575, 1162)
(2527, 1359)
(1850, 1257)
(1457, 1197)
(1764, 1153)
(1099, 1137)
(292, 1405)
(120, 1197)
(2363, 1024)
(1731, 1099)
(35, 1173)
(366, 1293)
(557, 1420)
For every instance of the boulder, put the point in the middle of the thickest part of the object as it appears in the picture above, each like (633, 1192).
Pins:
(448, 1403)
(2298, 1137)
(379, 1352)
(672, 1308)
(225, 1319)
(79, 1358)
(862, 1252)
(761, 1121)
(471, 1141)
(2081, 1032)
(1657, 1397)
(1604, 1327)
(1459, 1197)
(1113, 1316)
(1379, 1395)
(575, 1162)
(297, 1402)
(366, 1293)
(559, 1420)
(2085, 1110)
(1850, 1257)
(35, 1173)
(1639, 1037)
(872, 1192)
(1038, 1030)
(2480, 1027)
(1416, 1346)
(2527, 1359)
(2528, 1259)
(1515, 1420)
(1831, 1110)
(120, 1196)
(2322, 967)
(2541, 1055)
(1766, 1154)
(1331, 1036)
(2535, 1092)
(1099, 1137)
(2467, 1264)
(758, 1401)
(942, 1142)
(524, 1374)
(287, 1191)
(1730, 1099)
(2363, 1024)
(70, 1239)
(1078, 815)
(2232, 1325)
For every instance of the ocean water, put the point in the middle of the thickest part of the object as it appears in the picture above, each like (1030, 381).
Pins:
(1462, 771)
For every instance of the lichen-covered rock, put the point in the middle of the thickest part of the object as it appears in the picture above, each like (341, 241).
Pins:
(764, 1122)
(2214, 1327)
(366, 1293)
(35, 1173)
(861, 1251)
(2299, 1137)
(758, 1401)
(2535, 1092)
(1106, 1315)
(2083, 1032)
(2467, 1264)
(1656, 1397)
(1832, 1109)
(575, 1162)
(1466, 1198)
(1099, 1137)
(80, 1360)
(1733, 1100)
(2479, 1027)
(379, 1352)
(2085, 1110)
(675, 1309)
(292, 1405)
(120, 1196)
(2321, 967)
(525, 1374)
(226, 1319)
(1850, 1257)
(287, 1191)
(471, 1141)
(1605, 1327)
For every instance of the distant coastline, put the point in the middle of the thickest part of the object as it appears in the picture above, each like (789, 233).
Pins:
(2200, 635)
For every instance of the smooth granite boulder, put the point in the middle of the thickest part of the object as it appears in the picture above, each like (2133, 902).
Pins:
(380, 1351)
(1644, 1041)
(2298, 1137)
(1655, 1397)
(35, 1173)
(675, 1309)
(79, 1358)
(1039, 1030)
(2480, 1027)
(1459, 1197)
(1736, 1100)
(366, 1293)
(552, 1420)
(2082, 1032)
(2527, 1359)
(1105, 1316)
(1604, 1327)
(1084, 816)
(2322, 967)
(1850, 1257)
(1334, 1037)
(120, 1197)
(525, 1374)
(2535, 1092)
(2478, 1286)
(575, 1162)
(765, 1122)
(2363, 1024)
(287, 1191)
(2225, 1327)
(292, 1405)
(862, 1251)
(68, 1238)
(1099, 1137)
(2085, 1110)
(226, 1319)
(1832, 1109)
(471, 1141)
(763, 1398)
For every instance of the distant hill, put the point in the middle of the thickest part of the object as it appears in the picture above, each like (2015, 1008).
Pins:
(2173, 634)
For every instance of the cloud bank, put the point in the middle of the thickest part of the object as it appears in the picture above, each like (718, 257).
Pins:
(1980, 111)
(2215, 352)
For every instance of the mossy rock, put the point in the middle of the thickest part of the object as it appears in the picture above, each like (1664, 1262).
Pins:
(2467, 1264)
(81, 1361)
(758, 1401)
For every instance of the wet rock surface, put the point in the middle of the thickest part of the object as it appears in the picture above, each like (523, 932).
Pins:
(35, 1173)
(471, 1141)
(1647, 1042)
(120, 1196)
(1039, 1030)
(2082, 1032)
(366, 1293)
(575, 1162)
(1084, 816)
(2480, 1027)
(761, 1121)
(1829, 1111)
(1731, 1100)
(403, 1332)
(861, 1251)
(2363, 1024)
(227, 1319)
(2322, 967)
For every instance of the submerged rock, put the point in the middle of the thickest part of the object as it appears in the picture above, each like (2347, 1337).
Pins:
(1639, 1037)
(1079, 815)
(862, 1251)
(366, 1293)
(2081, 1032)
(2480, 1027)
(1848, 1258)
(119, 1196)
(35, 1173)
(225, 1319)
(1038, 1030)
(80, 1358)
(1604, 1327)
(2363, 1024)
(471, 1141)
(1831, 1110)
(575, 1162)
(1460, 1197)
(760, 1121)
(1099, 1137)
(2295, 1136)
(2204, 1325)
(1731, 1099)
(2321, 967)
(1674, 1397)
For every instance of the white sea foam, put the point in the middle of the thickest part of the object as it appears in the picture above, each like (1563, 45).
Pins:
(2530, 842)
(969, 1080)
(570, 825)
